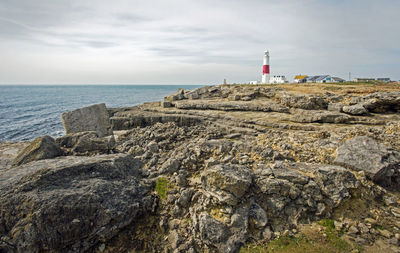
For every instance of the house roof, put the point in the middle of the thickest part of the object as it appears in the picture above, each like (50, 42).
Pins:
(320, 78)
(338, 79)
(300, 77)
(312, 78)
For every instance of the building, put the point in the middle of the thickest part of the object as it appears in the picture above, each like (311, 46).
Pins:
(323, 79)
(278, 79)
(265, 73)
(358, 79)
(386, 79)
(300, 78)
(337, 79)
(311, 79)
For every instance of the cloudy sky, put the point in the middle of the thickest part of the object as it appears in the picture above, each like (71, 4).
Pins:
(195, 41)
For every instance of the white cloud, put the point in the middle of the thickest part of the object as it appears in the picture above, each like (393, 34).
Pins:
(188, 41)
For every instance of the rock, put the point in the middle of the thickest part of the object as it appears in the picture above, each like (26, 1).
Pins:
(184, 199)
(381, 164)
(91, 118)
(355, 109)
(304, 116)
(228, 182)
(265, 106)
(42, 202)
(212, 231)
(136, 118)
(363, 228)
(385, 233)
(370, 221)
(335, 107)
(353, 230)
(257, 216)
(166, 104)
(153, 147)
(307, 102)
(86, 143)
(41, 148)
(170, 166)
(381, 102)
(174, 239)
(267, 234)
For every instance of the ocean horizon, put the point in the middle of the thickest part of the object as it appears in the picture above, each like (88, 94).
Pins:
(31, 110)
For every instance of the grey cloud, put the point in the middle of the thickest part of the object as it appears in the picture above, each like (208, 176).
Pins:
(308, 36)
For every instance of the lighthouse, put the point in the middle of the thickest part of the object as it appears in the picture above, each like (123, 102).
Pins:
(265, 74)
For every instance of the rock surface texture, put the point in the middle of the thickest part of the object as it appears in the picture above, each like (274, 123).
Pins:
(40, 148)
(91, 118)
(70, 203)
(211, 170)
(379, 162)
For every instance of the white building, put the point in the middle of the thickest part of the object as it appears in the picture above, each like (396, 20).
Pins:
(278, 79)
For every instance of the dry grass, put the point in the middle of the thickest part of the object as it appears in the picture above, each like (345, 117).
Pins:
(340, 88)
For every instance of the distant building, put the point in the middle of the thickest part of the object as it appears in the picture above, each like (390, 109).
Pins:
(311, 79)
(278, 79)
(253, 82)
(386, 79)
(324, 79)
(338, 79)
(300, 78)
(321, 79)
(358, 79)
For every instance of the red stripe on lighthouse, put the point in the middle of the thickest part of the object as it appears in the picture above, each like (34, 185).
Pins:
(266, 69)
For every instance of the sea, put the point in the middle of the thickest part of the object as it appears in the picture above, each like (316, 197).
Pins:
(30, 111)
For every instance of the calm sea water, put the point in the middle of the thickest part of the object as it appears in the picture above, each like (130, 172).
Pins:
(29, 111)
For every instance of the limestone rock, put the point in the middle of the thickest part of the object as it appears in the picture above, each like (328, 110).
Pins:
(381, 102)
(335, 107)
(265, 106)
(380, 163)
(212, 231)
(91, 118)
(70, 204)
(40, 148)
(86, 143)
(355, 109)
(228, 182)
(165, 104)
(257, 215)
(306, 102)
(308, 116)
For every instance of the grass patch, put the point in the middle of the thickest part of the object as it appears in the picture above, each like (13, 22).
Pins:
(163, 185)
(329, 224)
(310, 240)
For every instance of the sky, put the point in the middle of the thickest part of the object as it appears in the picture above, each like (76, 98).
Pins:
(195, 41)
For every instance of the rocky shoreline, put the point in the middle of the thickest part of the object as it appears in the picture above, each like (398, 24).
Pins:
(216, 169)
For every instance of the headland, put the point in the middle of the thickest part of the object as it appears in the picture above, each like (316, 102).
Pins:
(227, 168)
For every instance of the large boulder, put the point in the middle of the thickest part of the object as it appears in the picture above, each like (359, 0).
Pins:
(379, 162)
(86, 143)
(70, 204)
(91, 118)
(227, 182)
(380, 102)
(41, 148)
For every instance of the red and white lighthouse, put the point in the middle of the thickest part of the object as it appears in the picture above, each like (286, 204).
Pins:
(265, 74)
